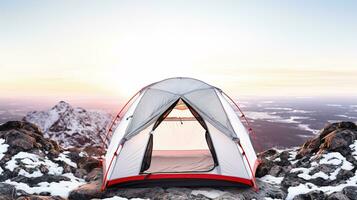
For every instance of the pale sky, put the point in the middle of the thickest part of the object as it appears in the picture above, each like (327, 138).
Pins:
(113, 48)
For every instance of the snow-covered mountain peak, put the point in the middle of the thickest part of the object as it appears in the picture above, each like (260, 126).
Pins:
(71, 126)
(62, 106)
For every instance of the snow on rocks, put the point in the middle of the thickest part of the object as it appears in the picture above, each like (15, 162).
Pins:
(308, 187)
(64, 157)
(354, 149)
(272, 179)
(209, 193)
(27, 161)
(43, 169)
(3, 148)
(69, 126)
(61, 188)
(333, 158)
(121, 198)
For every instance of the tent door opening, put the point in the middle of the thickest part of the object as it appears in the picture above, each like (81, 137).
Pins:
(179, 143)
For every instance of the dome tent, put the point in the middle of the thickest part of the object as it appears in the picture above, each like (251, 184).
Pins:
(179, 132)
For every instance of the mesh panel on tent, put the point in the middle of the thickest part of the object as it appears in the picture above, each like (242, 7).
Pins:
(152, 104)
(207, 103)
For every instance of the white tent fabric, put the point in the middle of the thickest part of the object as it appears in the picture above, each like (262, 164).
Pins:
(158, 97)
(130, 142)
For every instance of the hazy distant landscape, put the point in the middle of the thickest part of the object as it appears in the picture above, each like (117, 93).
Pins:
(277, 122)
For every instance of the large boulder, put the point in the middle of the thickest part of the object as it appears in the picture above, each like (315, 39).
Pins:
(88, 163)
(24, 136)
(334, 137)
(87, 191)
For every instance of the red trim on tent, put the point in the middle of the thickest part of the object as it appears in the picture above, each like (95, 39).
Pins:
(105, 173)
(114, 121)
(250, 129)
(250, 167)
(181, 176)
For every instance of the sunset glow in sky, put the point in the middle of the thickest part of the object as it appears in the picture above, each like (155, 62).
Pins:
(113, 48)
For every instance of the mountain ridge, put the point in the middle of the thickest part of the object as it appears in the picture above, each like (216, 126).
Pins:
(69, 126)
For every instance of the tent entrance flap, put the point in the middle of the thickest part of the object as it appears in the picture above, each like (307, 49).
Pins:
(179, 143)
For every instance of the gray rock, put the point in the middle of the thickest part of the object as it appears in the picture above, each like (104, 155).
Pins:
(275, 170)
(2, 197)
(337, 196)
(88, 163)
(145, 193)
(17, 139)
(313, 195)
(80, 173)
(264, 167)
(38, 197)
(95, 175)
(87, 191)
(7, 191)
(350, 192)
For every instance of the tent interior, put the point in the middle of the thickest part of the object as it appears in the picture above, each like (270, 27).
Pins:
(179, 143)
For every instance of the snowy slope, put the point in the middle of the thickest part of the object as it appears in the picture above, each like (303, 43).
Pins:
(70, 126)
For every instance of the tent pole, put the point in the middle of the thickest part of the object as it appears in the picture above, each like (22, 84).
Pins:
(105, 175)
(250, 129)
(116, 118)
(250, 167)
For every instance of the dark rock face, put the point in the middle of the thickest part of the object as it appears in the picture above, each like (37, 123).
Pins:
(337, 196)
(88, 191)
(334, 137)
(350, 192)
(94, 175)
(264, 167)
(88, 163)
(314, 195)
(7, 191)
(20, 140)
(321, 158)
(24, 136)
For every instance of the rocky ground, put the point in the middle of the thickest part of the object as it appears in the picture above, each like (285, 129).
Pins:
(31, 165)
(34, 167)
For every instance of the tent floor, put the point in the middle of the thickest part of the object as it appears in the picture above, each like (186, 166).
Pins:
(178, 161)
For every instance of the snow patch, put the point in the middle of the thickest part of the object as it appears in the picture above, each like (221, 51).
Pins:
(333, 158)
(354, 149)
(63, 157)
(306, 127)
(268, 198)
(121, 198)
(3, 148)
(272, 179)
(32, 161)
(308, 187)
(209, 193)
(62, 188)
